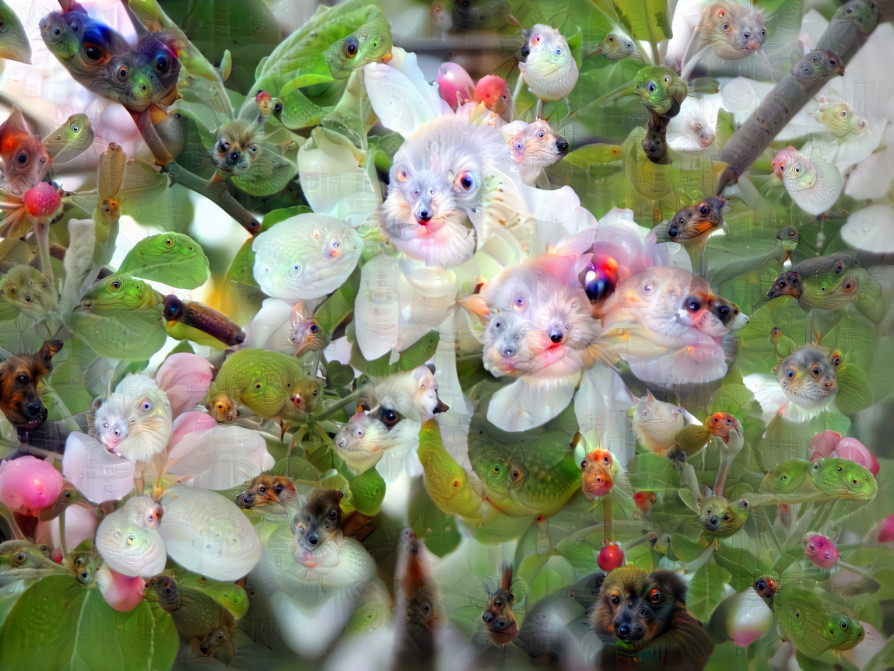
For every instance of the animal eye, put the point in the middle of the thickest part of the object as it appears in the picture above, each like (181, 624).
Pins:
(122, 73)
(725, 26)
(541, 134)
(537, 39)
(790, 373)
(314, 328)
(464, 180)
(836, 360)
(278, 489)
(75, 128)
(252, 149)
(704, 209)
(22, 379)
(20, 557)
(333, 514)
(116, 284)
(262, 489)
(583, 464)
(652, 87)
(223, 146)
(169, 242)
(401, 175)
(295, 269)
(655, 595)
(92, 52)
(351, 47)
(727, 517)
(277, 108)
(643, 612)
(815, 371)
(694, 304)
(22, 158)
(558, 51)
(611, 38)
(614, 599)
(839, 267)
(648, 289)
(161, 63)
(146, 406)
(515, 474)
(519, 301)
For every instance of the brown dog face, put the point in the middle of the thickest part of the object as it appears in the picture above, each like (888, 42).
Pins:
(319, 521)
(267, 490)
(20, 381)
(635, 607)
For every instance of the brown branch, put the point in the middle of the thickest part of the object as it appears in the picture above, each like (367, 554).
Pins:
(216, 192)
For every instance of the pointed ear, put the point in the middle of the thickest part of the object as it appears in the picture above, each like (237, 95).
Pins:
(96, 403)
(48, 350)
(431, 367)
(649, 395)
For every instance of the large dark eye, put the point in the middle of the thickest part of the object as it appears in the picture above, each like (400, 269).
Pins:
(22, 379)
(693, 304)
(278, 489)
(92, 52)
(839, 267)
(704, 210)
(815, 371)
(652, 87)
(655, 596)
(333, 514)
(262, 489)
(122, 73)
(173, 308)
(389, 417)
(465, 181)
(722, 311)
(116, 284)
(20, 557)
(314, 329)
(583, 464)
(615, 599)
(223, 146)
(22, 158)
(162, 63)
(277, 108)
(351, 47)
(790, 373)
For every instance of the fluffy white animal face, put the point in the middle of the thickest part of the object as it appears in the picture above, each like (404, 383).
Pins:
(536, 144)
(112, 422)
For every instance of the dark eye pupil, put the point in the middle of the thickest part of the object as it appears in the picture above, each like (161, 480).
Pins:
(22, 158)
(466, 182)
(314, 328)
(703, 210)
(161, 63)
(93, 53)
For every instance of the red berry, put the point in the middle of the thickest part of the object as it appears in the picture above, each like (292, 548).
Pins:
(610, 557)
(41, 201)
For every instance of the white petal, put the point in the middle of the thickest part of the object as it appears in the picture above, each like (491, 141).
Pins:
(530, 402)
(206, 533)
(128, 548)
(97, 473)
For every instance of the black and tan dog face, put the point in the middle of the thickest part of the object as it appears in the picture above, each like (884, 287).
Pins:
(498, 617)
(20, 382)
(319, 520)
(636, 607)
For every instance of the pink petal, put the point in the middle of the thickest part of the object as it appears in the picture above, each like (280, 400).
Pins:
(185, 378)
(823, 444)
(853, 450)
(455, 86)
(98, 474)
(886, 530)
(121, 592)
(28, 484)
(821, 551)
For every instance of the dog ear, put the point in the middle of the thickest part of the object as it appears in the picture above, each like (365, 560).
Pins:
(49, 349)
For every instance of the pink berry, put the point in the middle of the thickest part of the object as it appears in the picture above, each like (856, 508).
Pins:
(42, 201)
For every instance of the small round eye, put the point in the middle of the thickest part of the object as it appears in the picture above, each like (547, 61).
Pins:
(253, 149)
(790, 373)
(648, 289)
(558, 51)
(727, 517)
(20, 557)
(519, 300)
(401, 175)
(262, 489)
(22, 158)
(314, 328)
(223, 146)
(22, 379)
(655, 595)
(724, 26)
(704, 210)
(839, 267)
(465, 181)
(615, 599)
(75, 128)
(537, 39)
(122, 73)
(169, 242)
(541, 134)
(116, 284)
(162, 63)
(607, 460)
(333, 514)
(146, 406)
(652, 87)
(351, 47)
(583, 464)
(611, 38)
(277, 107)
(815, 371)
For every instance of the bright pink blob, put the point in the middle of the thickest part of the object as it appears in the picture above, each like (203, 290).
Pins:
(886, 530)
(42, 201)
(28, 484)
(121, 592)
(821, 551)
(455, 86)
(493, 91)
(823, 444)
(853, 450)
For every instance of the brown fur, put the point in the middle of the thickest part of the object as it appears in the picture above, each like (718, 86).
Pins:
(319, 520)
(20, 382)
(267, 489)
(498, 617)
(656, 631)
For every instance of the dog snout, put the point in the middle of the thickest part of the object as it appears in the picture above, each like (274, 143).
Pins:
(33, 409)
(623, 630)
(313, 539)
(246, 500)
(488, 618)
(562, 145)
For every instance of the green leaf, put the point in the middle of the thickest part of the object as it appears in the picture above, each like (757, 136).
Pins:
(706, 590)
(123, 334)
(415, 355)
(340, 305)
(433, 525)
(172, 258)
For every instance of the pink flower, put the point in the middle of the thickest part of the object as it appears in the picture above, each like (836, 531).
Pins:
(28, 484)
(821, 551)
(185, 378)
(831, 444)
(886, 530)
(121, 592)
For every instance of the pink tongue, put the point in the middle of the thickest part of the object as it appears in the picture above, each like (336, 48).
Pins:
(422, 230)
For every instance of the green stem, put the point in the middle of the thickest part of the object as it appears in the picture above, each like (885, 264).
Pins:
(216, 192)
(353, 397)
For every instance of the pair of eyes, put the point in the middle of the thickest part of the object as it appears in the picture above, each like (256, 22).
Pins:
(606, 461)
(612, 38)
(515, 473)
(223, 147)
(464, 180)
(277, 489)
(655, 596)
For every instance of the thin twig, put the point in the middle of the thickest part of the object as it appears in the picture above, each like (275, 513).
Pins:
(216, 192)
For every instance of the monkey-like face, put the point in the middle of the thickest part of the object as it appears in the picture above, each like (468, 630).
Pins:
(318, 521)
(235, 147)
(265, 490)
(499, 618)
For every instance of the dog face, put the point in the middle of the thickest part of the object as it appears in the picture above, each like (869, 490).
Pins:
(20, 382)
(636, 608)
(267, 490)
(319, 521)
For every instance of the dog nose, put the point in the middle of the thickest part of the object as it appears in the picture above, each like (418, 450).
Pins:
(488, 618)
(555, 336)
(234, 156)
(500, 624)
(713, 521)
(562, 145)
(312, 539)
(425, 216)
(508, 350)
(247, 500)
(526, 51)
(623, 630)
(33, 409)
